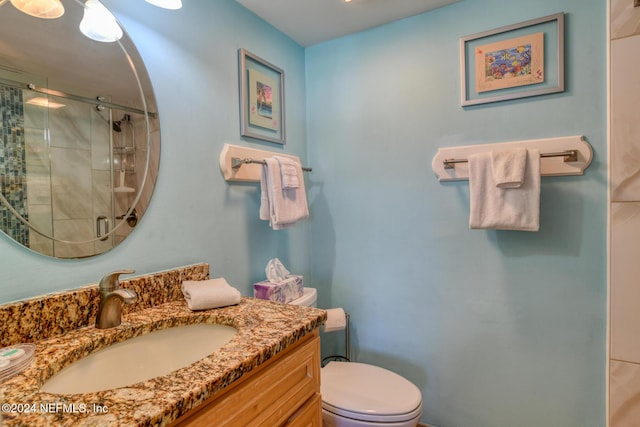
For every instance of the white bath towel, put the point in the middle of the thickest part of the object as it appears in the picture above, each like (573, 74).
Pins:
(508, 167)
(289, 172)
(504, 208)
(282, 207)
(212, 293)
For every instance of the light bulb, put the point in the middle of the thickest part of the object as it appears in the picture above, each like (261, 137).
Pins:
(47, 9)
(166, 4)
(99, 24)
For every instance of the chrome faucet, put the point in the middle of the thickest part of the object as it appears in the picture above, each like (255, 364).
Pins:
(111, 296)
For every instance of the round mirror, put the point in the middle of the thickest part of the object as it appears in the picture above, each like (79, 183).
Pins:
(80, 138)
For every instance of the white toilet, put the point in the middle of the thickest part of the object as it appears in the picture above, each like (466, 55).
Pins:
(362, 395)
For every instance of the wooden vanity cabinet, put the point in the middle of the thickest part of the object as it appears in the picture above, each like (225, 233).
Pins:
(284, 391)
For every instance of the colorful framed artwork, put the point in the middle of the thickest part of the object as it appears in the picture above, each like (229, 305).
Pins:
(516, 61)
(261, 99)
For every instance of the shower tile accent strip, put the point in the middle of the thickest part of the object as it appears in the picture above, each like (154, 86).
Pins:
(13, 166)
(58, 313)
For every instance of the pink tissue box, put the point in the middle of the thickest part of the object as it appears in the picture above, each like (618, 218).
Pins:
(282, 292)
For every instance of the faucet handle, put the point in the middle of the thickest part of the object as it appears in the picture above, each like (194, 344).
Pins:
(110, 281)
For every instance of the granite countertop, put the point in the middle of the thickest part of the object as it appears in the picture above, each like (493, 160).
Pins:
(264, 329)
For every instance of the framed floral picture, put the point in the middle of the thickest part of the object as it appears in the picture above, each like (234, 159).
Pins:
(510, 63)
(261, 98)
(517, 61)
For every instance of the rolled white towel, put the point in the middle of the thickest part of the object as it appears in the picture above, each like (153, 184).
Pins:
(212, 293)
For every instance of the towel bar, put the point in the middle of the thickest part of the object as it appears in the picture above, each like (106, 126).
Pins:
(236, 162)
(232, 157)
(569, 156)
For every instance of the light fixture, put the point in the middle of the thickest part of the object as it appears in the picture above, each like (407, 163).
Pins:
(99, 24)
(166, 4)
(41, 101)
(47, 9)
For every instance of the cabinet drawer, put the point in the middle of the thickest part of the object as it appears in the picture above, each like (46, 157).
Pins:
(267, 396)
(310, 415)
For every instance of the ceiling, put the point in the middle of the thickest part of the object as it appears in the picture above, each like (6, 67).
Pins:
(33, 48)
(309, 22)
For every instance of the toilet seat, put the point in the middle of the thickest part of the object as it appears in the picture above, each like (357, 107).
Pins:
(368, 393)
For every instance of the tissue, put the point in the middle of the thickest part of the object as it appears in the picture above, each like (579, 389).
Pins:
(276, 271)
(280, 286)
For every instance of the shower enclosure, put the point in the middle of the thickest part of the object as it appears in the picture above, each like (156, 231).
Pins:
(73, 172)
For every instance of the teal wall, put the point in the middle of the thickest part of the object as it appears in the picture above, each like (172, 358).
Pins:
(194, 216)
(497, 328)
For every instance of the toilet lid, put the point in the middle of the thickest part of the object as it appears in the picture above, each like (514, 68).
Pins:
(368, 392)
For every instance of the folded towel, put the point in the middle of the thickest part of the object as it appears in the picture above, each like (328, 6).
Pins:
(265, 208)
(283, 207)
(504, 208)
(508, 167)
(289, 172)
(212, 293)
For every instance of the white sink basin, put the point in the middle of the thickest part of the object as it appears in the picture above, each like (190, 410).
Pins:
(140, 358)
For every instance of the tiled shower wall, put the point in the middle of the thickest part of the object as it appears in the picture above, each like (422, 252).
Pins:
(624, 375)
(38, 176)
(69, 175)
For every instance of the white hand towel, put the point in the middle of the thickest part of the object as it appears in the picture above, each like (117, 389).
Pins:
(283, 207)
(212, 293)
(508, 167)
(289, 172)
(504, 208)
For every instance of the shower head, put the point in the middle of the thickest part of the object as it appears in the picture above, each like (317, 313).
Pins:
(117, 124)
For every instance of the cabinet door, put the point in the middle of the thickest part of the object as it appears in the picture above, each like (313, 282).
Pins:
(268, 396)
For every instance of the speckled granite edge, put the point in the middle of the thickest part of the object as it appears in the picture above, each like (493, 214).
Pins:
(54, 314)
(264, 329)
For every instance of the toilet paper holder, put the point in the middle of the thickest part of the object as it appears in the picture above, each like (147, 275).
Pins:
(347, 346)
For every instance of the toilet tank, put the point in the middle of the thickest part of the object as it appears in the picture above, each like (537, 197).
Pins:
(308, 298)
